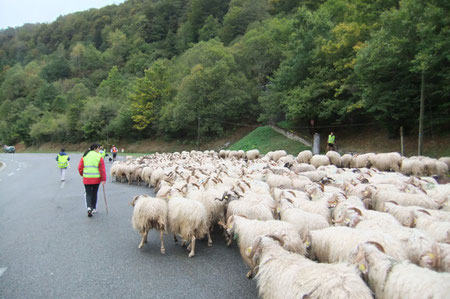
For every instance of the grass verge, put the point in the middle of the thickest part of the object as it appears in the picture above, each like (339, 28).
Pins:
(265, 139)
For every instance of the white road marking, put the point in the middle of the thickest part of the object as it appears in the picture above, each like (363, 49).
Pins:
(11, 174)
(2, 270)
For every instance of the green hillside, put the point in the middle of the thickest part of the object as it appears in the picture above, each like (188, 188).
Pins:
(179, 69)
(265, 139)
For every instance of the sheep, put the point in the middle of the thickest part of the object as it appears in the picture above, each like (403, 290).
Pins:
(441, 168)
(224, 154)
(439, 230)
(414, 241)
(304, 156)
(357, 217)
(303, 221)
(249, 210)
(335, 244)
(277, 181)
(315, 175)
(156, 176)
(136, 175)
(361, 161)
(389, 278)
(146, 174)
(252, 154)
(283, 274)
(335, 158)
(148, 213)
(446, 160)
(286, 161)
(302, 167)
(405, 215)
(412, 167)
(246, 230)
(321, 207)
(214, 202)
(404, 199)
(429, 166)
(240, 154)
(188, 219)
(346, 159)
(386, 161)
(319, 160)
(438, 258)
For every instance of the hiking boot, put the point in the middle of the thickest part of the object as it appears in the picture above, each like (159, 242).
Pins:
(89, 212)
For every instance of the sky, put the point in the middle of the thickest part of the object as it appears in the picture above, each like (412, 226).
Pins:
(15, 13)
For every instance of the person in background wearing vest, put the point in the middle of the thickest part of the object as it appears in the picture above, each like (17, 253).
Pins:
(114, 152)
(330, 144)
(102, 152)
(63, 162)
(92, 169)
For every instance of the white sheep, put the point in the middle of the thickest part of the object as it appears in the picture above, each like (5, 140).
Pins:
(319, 160)
(283, 274)
(252, 154)
(304, 156)
(446, 160)
(438, 258)
(250, 210)
(302, 167)
(335, 158)
(390, 278)
(346, 160)
(386, 161)
(303, 221)
(335, 244)
(361, 161)
(188, 219)
(315, 175)
(403, 199)
(412, 167)
(246, 230)
(439, 230)
(148, 213)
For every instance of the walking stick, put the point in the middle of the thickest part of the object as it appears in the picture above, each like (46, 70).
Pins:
(104, 197)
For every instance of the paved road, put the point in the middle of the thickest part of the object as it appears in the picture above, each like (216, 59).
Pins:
(49, 248)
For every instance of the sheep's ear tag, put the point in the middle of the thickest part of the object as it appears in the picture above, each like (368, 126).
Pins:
(226, 197)
(415, 220)
(362, 267)
(347, 220)
(169, 197)
(229, 226)
(278, 210)
(307, 243)
(431, 255)
(249, 250)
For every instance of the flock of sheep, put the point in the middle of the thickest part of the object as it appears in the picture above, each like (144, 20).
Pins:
(311, 226)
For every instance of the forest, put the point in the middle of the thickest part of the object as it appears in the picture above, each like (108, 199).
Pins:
(178, 68)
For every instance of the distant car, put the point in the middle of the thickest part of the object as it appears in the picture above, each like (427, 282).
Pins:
(9, 149)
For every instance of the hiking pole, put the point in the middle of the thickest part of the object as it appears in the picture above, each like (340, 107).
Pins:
(104, 197)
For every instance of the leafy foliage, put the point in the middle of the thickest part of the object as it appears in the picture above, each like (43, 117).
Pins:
(183, 68)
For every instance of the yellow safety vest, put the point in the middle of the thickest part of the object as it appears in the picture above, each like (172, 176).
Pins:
(91, 161)
(331, 138)
(63, 161)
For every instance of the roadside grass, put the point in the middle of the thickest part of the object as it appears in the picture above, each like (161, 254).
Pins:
(265, 139)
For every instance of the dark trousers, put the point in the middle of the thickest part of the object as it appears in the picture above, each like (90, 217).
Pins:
(91, 195)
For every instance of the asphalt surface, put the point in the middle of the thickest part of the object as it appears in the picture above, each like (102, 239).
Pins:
(49, 248)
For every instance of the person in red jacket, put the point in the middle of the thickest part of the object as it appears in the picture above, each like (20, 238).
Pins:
(92, 169)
